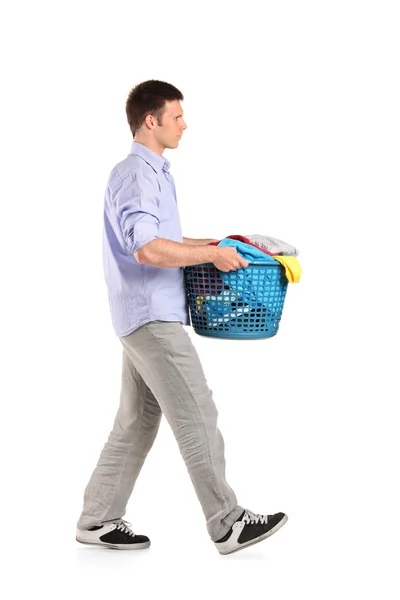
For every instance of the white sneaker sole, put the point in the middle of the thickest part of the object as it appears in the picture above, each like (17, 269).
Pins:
(141, 546)
(256, 540)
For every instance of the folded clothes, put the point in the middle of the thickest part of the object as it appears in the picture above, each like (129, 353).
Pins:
(255, 255)
(250, 252)
(241, 238)
(273, 245)
(292, 267)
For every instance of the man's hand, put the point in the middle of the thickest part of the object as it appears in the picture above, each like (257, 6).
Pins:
(228, 259)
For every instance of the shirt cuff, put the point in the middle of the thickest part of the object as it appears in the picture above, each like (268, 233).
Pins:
(141, 234)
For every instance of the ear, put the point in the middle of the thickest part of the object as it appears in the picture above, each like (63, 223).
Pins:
(150, 121)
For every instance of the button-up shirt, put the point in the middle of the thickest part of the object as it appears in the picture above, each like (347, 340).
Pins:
(140, 205)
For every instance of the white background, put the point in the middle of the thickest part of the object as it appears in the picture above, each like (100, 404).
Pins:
(293, 131)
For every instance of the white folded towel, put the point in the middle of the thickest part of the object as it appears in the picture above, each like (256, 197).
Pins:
(273, 245)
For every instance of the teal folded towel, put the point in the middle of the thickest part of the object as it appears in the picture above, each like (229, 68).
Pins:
(250, 253)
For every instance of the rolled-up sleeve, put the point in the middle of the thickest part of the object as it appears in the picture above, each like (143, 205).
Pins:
(136, 203)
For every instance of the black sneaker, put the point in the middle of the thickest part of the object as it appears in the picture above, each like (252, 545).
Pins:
(115, 534)
(249, 529)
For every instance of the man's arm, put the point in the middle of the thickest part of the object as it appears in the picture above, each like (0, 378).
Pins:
(165, 253)
(196, 242)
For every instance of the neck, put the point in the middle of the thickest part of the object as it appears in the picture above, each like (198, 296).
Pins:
(151, 144)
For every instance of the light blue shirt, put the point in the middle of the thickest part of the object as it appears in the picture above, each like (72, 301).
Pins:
(139, 206)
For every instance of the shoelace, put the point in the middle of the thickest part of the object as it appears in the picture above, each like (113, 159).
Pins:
(125, 527)
(253, 518)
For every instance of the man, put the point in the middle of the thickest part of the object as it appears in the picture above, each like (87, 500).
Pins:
(144, 254)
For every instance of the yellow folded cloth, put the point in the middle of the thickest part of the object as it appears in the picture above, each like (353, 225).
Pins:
(292, 267)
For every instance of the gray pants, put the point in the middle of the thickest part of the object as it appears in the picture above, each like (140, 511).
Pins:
(162, 373)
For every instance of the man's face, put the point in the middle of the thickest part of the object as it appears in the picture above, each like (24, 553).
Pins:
(170, 131)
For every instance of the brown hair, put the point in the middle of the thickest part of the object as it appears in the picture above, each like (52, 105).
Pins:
(148, 98)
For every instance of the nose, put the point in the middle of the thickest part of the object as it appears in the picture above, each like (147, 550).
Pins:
(184, 126)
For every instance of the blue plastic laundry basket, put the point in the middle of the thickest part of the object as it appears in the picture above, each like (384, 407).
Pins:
(241, 304)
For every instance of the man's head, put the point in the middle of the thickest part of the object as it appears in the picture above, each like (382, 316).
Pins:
(155, 115)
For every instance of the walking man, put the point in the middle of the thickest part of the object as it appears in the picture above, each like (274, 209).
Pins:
(144, 253)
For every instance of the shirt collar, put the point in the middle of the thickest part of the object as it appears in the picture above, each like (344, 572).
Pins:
(157, 162)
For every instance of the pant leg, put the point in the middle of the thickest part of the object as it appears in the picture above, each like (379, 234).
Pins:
(135, 428)
(165, 357)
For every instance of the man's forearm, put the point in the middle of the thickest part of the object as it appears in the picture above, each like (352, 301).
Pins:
(198, 242)
(165, 253)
